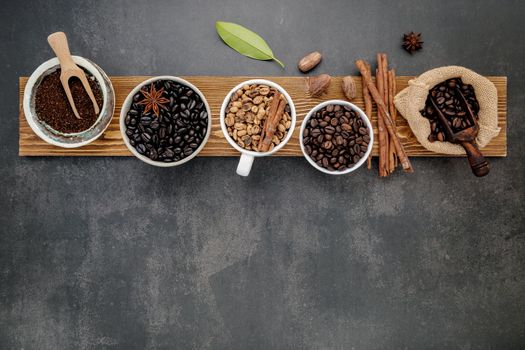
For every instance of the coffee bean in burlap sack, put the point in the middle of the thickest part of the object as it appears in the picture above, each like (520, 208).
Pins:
(411, 101)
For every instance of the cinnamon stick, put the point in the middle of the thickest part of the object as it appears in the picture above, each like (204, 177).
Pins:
(271, 113)
(392, 159)
(384, 67)
(270, 126)
(382, 133)
(403, 158)
(368, 110)
(387, 102)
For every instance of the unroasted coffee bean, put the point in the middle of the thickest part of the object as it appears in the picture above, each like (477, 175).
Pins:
(335, 138)
(170, 128)
(246, 117)
(449, 102)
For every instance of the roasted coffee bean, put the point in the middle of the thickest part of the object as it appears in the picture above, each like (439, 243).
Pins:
(141, 148)
(448, 101)
(146, 120)
(335, 137)
(175, 132)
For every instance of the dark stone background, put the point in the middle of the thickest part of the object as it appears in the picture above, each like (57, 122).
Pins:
(112, 253)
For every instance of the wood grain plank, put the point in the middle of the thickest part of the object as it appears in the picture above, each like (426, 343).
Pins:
(215, 89)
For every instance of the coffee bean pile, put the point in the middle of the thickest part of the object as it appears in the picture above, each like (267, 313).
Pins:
(336, 137)
(176, 131)
(449, 102)
(247, 112)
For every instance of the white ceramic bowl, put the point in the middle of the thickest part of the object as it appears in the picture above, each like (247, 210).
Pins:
(69, 140)
(127, 104)
(363, 117)
(247, 157)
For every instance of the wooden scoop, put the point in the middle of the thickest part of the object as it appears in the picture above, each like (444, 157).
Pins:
(466, 137)
(69, 69)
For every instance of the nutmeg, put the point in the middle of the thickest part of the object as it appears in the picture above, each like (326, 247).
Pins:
(318, 85)
(309, 61)
(349, 89)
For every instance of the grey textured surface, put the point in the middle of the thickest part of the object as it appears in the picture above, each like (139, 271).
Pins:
(112, 253)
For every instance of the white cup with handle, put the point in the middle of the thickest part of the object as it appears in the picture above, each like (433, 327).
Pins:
(247, 157)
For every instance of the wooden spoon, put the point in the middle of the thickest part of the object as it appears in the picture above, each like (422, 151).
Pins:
(466, 137)
(69, 69)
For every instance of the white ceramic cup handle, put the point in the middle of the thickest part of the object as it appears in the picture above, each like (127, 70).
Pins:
(245, 165)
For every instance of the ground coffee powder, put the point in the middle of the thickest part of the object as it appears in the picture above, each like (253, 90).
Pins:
(52, 106)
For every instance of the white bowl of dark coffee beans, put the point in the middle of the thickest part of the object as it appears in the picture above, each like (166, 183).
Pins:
(165, 121)
(336, 137)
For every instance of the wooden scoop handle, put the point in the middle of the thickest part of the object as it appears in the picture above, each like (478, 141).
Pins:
(478, 163)
(58, 43)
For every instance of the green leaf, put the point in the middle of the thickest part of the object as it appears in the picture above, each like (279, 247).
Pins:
(245, 42)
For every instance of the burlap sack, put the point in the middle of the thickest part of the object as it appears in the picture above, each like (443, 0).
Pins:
(412, 100)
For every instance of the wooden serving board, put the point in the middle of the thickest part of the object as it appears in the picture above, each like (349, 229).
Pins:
(215, 90)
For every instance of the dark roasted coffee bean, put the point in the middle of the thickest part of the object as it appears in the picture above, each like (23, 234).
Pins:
(146, 120)
(141, 148)
(154, 125)
(184, 124)
(145, 137)
(453, 109)
(162, 132)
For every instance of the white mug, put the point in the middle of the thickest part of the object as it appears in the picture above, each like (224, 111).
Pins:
(247, 157)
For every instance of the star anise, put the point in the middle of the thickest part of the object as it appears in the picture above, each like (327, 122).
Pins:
(412, 42)
(153, 100)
